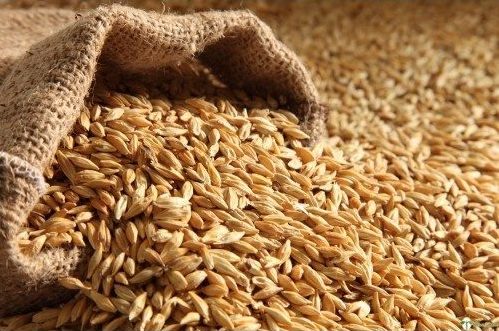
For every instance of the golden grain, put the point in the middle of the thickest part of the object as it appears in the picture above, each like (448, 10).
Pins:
(101, 301)
(137, 306)
(201, 214)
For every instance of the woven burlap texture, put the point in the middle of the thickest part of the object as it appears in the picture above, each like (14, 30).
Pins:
(48, 61)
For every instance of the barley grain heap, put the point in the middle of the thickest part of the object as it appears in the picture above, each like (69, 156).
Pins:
(199, 214)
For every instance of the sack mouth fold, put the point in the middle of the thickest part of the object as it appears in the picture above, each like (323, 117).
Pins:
(24, 277)
(44, 91)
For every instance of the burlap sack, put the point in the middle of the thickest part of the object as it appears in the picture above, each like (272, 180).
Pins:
(48, 60)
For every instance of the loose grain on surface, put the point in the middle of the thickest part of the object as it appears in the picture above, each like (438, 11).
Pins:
(199, 220)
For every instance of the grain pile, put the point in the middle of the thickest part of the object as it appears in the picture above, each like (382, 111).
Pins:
(391, 224)
(201, 214)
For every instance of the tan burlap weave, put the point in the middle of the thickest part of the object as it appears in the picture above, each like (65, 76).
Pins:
(48, 61)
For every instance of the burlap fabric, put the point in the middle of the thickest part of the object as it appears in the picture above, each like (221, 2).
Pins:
(48, 61)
